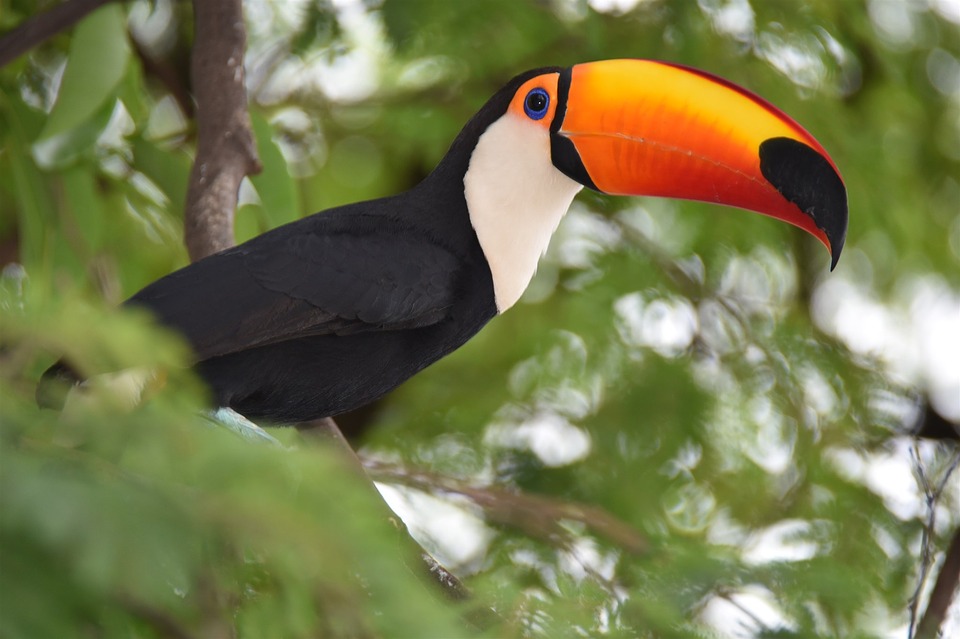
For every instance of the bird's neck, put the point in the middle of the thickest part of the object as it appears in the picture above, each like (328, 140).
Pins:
(516, 199)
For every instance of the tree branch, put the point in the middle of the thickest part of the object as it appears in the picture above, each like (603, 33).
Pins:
(327, 430)
(40, 27)
(933, 425)
(226, 150)
(946, 586)
(535, 515)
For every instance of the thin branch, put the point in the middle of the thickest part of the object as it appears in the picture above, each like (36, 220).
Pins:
(926, 553)
(761, 627)
(327, 430)
(226, 150)
(36, 29)
(535, 515)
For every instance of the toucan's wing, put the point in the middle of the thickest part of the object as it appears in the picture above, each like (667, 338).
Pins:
(313, 277)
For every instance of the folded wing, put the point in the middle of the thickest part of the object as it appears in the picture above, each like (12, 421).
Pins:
(314, 277)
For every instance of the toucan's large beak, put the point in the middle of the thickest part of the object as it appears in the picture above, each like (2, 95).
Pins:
(641, 127)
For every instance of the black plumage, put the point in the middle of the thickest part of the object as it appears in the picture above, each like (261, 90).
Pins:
(330, 312)
(290, 325)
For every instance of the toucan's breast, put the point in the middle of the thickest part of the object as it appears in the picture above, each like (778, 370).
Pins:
(516, 198)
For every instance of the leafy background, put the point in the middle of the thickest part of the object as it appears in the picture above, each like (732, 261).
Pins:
(688, 427)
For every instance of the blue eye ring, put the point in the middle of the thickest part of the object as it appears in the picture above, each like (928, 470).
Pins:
(536, 103)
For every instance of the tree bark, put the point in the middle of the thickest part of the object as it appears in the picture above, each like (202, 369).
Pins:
(944, 590)
(226, 150)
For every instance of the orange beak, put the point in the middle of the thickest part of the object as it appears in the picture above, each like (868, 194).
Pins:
(639, 127)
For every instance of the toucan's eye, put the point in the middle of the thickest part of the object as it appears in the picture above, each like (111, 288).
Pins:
(536, 104)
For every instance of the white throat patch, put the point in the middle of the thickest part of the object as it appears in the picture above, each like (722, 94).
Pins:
(516, 199)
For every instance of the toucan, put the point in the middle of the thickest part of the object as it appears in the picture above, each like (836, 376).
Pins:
(331, 312)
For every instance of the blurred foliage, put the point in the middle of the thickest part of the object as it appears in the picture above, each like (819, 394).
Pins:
(679, 366)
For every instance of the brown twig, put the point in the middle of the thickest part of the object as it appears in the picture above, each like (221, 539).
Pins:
(38, 28)
(226, 150)
(535, 515)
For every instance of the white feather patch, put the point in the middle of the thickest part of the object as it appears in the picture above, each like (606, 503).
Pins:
(516, 199)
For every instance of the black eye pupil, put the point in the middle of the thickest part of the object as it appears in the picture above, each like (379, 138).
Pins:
(536, 102)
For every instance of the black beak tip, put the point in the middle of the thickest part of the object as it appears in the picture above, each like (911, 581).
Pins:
(835, 222)
(835, 253)
(803, 176)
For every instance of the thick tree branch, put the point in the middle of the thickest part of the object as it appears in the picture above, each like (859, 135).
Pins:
(226, 150)
(933, 425)
(944, 590)
(38, 28)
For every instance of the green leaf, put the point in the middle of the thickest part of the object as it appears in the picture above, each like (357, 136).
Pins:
(169, 169)
(248, 222)
(86, 205)
(277, 190)
(34, 203)
(66, 149)
(99, 52)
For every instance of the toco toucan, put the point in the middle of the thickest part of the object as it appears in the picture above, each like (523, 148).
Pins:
(330, 312)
